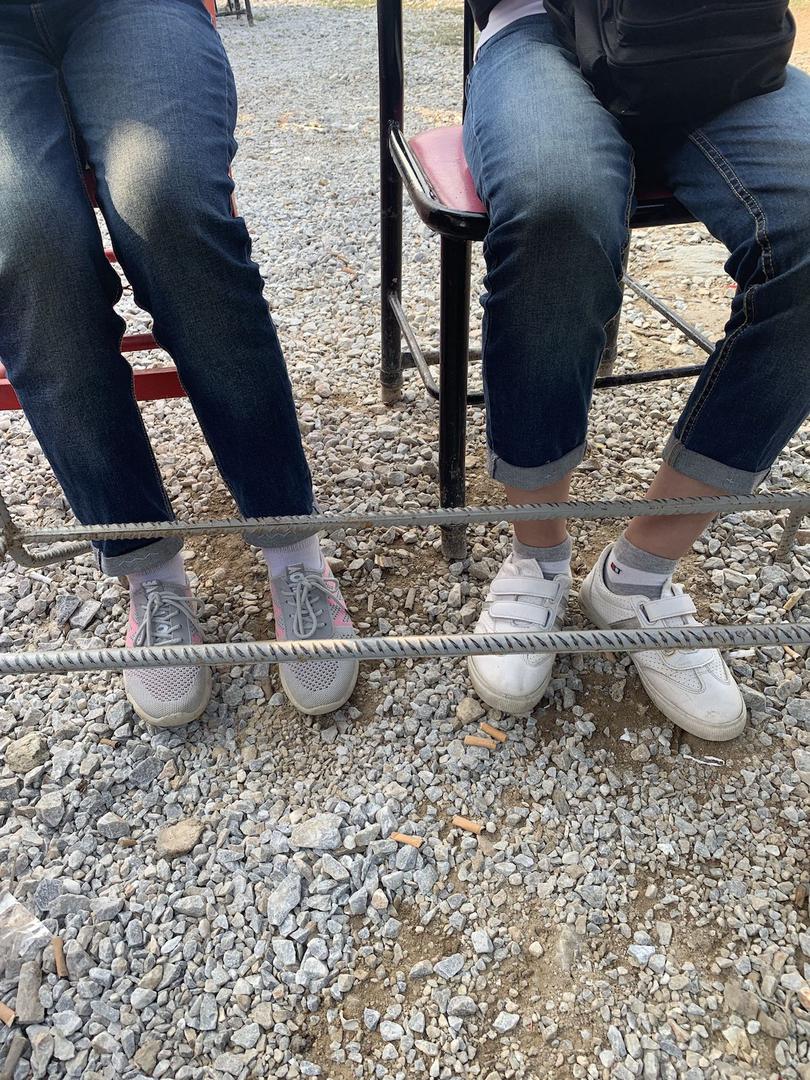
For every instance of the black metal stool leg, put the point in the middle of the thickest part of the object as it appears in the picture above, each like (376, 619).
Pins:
(612, 328)
(454, 334)
(389, 21)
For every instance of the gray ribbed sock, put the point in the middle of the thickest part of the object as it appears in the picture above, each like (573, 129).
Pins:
(629, 571)
(552, 560)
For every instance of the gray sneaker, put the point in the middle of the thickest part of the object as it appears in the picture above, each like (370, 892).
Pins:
(308, 607)
(161, 613)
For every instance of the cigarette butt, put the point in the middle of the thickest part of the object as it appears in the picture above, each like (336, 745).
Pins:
(108, 742)
(403, 838)
(476, 740)
(791, 652)
(7, 1015)
(19, 1045)
(793, 600)
(59, 958)
(467, 825)
(127, 841)
(495, 732)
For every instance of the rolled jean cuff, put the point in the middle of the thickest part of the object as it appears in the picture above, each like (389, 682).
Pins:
(148, 557)
(535, 476)
(706, 469)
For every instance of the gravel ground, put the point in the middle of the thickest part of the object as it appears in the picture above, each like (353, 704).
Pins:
(229, 896)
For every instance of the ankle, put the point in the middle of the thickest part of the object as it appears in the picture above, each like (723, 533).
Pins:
(173, 571)
(631, 571)
(306, 552)
(551, 560)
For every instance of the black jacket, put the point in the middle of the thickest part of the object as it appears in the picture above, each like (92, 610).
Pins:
(482, 9)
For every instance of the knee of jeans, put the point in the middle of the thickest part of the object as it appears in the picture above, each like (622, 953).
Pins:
(797, 260)
(41, 242)
(161, 194)
(573, 212)
(785, 259)
(157, 190)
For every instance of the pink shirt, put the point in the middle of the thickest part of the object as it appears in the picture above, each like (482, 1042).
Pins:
(506, 12)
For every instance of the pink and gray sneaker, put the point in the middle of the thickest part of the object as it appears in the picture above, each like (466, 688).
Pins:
(308, 607)
(162, 613)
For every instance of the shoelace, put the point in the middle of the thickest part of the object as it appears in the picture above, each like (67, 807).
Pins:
(309, 590)
(160, 624)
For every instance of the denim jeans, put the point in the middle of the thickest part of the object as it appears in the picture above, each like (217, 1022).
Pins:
(556, 172)
(144, 93)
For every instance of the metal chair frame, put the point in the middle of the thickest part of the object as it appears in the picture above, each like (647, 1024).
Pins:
(457, 229)
(234, 7)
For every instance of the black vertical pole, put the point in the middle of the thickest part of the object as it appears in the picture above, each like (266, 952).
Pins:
(469, 50)
(392, 95)
(454, 334)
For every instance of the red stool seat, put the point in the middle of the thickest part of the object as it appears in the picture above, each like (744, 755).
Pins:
(440, 154)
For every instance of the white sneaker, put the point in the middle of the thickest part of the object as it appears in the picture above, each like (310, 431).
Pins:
(522, 600)
(694, 688)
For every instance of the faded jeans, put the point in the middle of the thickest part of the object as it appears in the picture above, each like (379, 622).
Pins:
(143, 92)
(556, 172)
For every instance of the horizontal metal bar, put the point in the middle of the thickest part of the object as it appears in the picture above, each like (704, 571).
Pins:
(430, 357)
(609, 509)
(636, 378)
(402, 648)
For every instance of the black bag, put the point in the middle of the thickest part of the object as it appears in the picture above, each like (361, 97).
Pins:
(659, 62)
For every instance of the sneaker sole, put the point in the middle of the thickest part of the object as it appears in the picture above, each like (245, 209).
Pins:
(514, 706)
(319, 710)
(176, 719)
(707, 732)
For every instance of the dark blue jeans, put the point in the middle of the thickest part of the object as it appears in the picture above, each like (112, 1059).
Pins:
(555, 170)
(143, 92)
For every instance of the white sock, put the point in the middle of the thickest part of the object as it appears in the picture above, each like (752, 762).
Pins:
(173, 571)
(306, 552)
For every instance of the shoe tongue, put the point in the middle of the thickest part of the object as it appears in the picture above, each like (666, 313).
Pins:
(669, 590)
(150, 587)
(166, 620)
(526, 567)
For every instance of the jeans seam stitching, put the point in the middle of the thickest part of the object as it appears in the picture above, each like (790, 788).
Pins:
(747, 199)
(44, 33)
